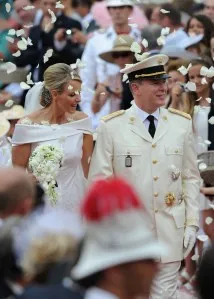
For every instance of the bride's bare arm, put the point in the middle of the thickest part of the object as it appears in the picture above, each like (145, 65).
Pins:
(21, 155)
(87, 152)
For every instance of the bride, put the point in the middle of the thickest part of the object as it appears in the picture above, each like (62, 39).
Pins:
(58, 124)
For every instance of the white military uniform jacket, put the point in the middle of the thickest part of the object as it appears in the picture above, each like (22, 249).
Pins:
(163, 169)
(97, 70)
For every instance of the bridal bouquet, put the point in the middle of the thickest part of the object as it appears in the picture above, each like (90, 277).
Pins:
(45, 162)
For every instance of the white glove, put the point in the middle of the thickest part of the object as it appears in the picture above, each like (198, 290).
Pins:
(189, 239)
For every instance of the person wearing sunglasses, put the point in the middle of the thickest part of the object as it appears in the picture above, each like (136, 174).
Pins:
(112, 90)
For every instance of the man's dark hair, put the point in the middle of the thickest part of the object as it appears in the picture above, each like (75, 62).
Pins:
(77, 3)
(174, 15)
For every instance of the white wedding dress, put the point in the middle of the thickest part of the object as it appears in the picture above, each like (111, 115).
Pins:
(71, 183)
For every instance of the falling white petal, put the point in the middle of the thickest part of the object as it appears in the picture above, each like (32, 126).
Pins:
(207, 142)
(195, 257)
(28, 26)
(203, 81)
(133, 25)
(80, 64)
(29, 81)
(165, 31)
(145, 43)
(203, 71)
(183, 70)
(53, 17)
(21, 45)
(28, 7)
(208, 100)
(135, 47)
(59, 5)
(198, 100)
(20, 32)
(125, 77)
(10, 39)
(202, 238)
(210, 73)
(164, 11)
(9, 103)
(211, 205)
(29, 41)
(191, 86)
(12, 32)
(47, 55)
(24, 85)
(7, 7)
(161, 40)
(17, 54)
(208, 220)
(202, 166)
(11, 67)
(211, 120)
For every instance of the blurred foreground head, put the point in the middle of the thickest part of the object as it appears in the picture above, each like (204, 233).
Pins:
(119, 251)
(17, 192)
(46, 245)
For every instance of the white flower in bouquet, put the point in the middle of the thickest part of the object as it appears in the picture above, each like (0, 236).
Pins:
(45, 162)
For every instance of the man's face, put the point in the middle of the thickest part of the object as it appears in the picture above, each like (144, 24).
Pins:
(48, 4)
(209, 9)
(149, 94)
(25, 16)
(137, 277)
(120, 14)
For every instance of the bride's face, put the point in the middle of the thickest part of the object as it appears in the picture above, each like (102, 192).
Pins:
(67, 101)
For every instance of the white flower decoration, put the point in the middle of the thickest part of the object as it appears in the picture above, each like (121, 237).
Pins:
(135, 47)
(174, 172)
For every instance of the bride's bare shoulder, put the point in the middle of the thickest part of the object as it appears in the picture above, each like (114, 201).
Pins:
(31, 118)
(80, 115)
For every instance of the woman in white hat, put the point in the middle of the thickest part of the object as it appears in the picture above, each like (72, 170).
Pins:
(5, 148)
(112, 90)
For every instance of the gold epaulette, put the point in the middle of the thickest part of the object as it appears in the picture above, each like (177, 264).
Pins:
(179, 113)
(112, 115)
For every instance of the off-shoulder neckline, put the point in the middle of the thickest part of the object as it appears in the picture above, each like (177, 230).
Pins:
(28, 121)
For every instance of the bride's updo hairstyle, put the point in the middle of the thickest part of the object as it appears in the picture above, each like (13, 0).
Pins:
(56, 77)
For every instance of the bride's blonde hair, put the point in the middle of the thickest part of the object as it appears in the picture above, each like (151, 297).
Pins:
(56, 77)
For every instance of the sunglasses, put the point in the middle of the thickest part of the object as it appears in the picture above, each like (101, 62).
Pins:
(120, 54)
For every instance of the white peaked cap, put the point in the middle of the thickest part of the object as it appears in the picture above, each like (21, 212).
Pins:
(117, 3)
(118, 236)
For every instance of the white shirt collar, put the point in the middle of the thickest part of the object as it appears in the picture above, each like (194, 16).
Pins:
(143, 115)
(97, 293)
(87, 19)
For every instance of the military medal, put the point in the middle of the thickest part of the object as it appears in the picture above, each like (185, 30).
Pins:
(128, 161)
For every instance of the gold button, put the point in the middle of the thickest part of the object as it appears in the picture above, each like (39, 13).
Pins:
(156, 194)
(154, 145)
(156, 178)
(154, 161)
(176, 151)
(156, 210)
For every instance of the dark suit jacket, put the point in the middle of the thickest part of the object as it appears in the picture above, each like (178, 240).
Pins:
(5, 290)
(42, 41)
(50, 292)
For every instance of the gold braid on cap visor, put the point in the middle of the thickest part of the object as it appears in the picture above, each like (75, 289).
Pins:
(149, 75)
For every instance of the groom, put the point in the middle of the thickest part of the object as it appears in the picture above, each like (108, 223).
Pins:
(153, 149)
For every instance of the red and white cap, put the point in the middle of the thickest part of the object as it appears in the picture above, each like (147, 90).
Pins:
(117, 229)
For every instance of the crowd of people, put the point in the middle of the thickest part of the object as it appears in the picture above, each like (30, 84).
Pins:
(106, 149)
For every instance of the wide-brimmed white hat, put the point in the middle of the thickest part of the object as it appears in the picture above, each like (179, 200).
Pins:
(16, 112)
(117, 230)
(151, 67)
(4, 126)
(122, 43)
(118, 3)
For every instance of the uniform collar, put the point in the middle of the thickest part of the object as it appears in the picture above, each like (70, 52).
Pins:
(143, 115)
